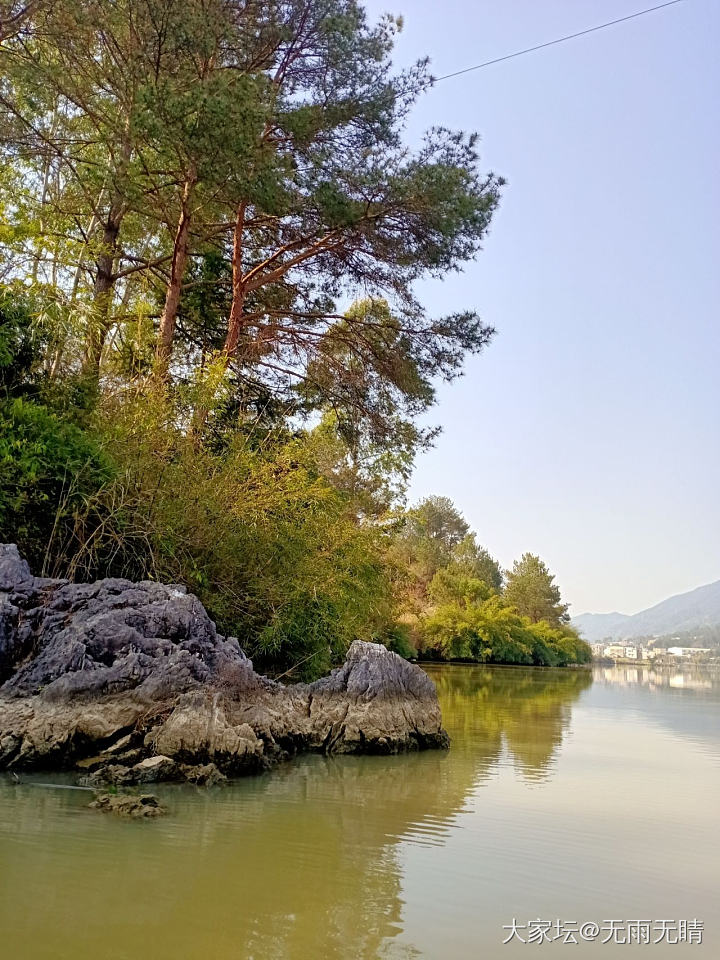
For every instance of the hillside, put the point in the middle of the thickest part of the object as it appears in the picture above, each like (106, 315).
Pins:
(678, 614)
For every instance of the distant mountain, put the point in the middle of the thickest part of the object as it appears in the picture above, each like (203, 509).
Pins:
(687, 611)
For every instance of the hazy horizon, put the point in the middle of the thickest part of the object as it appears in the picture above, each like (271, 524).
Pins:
(587, 431)
(670, 596)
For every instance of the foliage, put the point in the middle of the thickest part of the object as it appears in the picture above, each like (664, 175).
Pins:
(531, 589)
(468, 620)
(287, 535)
(19, 351)
(452, 600)
(436, 521)
(272, 548)
(470, 558)
(188, 194)
(398, 640)
(49, 469)
(426, 537)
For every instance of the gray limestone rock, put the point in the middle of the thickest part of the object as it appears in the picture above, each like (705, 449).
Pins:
(133, 678)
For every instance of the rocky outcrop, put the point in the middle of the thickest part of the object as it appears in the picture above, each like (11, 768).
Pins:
(130, 682)
(127, 805)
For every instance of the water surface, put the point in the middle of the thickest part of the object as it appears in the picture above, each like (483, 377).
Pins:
(564, 796)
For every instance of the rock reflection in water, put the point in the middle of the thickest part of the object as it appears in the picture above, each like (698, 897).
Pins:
(299, 863)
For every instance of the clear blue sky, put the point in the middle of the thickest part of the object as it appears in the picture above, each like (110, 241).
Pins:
(589, 430)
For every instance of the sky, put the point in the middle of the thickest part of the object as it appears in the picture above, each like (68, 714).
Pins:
(588, 430)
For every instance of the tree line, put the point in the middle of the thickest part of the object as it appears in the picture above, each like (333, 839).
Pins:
(456, 603)
(212, 358)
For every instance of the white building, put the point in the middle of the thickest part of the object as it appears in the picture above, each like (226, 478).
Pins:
(687, 651)
(622, 651)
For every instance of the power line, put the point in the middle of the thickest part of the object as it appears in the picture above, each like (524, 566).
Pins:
(551, 43)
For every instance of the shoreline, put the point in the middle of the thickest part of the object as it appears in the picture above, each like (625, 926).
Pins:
(131, 683)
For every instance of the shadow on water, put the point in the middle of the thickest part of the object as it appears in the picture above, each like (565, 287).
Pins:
(299, 863)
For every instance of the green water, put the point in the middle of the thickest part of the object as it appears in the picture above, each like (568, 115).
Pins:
(562, 797)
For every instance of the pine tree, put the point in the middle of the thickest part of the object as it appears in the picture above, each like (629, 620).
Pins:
(531, 589)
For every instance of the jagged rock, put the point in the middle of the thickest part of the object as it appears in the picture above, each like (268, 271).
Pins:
(154, 769)
(149, 770)
(135, 676)
(109, 773)
(127, 805)
(120, 747)
(205, 775)
(200, 726)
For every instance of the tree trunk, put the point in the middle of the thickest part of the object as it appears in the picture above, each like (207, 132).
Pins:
(181, 250)
(235, 322)
(105, 265)
(102, 295)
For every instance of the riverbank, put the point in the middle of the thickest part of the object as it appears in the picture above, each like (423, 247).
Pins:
(130, 683)
(520, 666)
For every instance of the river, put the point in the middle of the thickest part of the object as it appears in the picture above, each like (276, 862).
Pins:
(566, 796)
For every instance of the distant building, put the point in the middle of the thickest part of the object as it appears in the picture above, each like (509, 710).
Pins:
(687, 651)
(621, 651)
(636, 651)
(613, 650)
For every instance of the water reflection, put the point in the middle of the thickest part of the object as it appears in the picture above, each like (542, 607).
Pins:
(683, 699)
(498, 713)
(299, 863)
(693, 677)
(372, 857)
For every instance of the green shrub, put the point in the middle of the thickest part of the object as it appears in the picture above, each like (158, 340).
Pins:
(49, 470)
(398, 640)
(274, 551)
(468, 627)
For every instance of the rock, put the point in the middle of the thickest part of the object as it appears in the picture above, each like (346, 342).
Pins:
(149, 770)
(109, 773)
(154, 769)
(376, 702)
(132, 683)
(14, 571)
(127, 805)
(9, 747)
(120, 746)
(203, 725)
(205, 775)
(92, 763)
(68, 640)
(128, 757)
